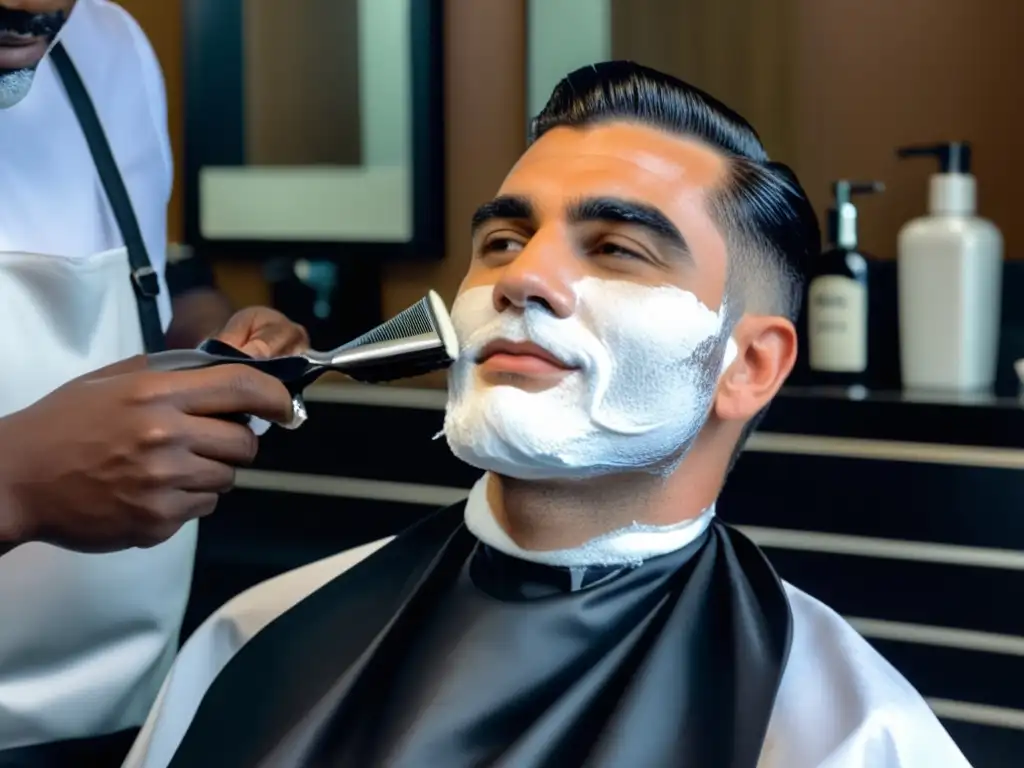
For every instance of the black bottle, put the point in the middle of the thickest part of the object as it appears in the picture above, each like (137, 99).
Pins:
(837, 297)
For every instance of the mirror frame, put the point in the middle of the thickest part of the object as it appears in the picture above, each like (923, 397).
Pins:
(214, 134)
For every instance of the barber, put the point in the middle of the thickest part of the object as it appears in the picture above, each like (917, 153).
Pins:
(104, 465)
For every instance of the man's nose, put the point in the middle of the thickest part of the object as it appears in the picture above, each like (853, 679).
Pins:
(543, 273)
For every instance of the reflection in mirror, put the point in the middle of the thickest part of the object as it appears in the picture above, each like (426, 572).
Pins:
(327, 126)
(302, 89)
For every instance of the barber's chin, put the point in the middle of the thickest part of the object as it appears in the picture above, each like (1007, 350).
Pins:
(14, 86)
(22, 54)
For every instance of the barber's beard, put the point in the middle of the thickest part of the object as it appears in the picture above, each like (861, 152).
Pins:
(15, 84)
(648, 360)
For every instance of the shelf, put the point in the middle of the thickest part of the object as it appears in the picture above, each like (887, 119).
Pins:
(980, 420)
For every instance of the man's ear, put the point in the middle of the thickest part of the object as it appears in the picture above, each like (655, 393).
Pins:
(766, 348)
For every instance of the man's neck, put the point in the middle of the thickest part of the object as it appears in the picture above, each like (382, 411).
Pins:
(554, 515)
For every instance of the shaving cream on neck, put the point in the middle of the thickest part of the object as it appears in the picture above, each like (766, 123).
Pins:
(648, 360)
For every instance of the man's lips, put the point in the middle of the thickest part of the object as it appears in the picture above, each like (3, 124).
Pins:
(21, 51)
(519, 357)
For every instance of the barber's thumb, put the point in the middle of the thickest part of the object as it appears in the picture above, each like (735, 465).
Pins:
(258, 347)
(236, 332)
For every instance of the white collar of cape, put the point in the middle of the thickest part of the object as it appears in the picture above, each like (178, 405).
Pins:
(628, 546)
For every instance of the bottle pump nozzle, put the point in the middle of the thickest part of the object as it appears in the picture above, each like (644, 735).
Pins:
(952, 189)
(953, 156)
(842, 217)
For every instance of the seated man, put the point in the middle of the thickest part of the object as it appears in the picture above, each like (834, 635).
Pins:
(627, 314)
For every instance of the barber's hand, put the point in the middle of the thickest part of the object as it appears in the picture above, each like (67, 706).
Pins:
(263, 332)
(124, 457)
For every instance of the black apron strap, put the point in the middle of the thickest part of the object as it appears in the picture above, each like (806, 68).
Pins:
(145, 280)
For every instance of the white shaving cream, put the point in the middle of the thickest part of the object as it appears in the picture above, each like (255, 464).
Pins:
(640, 395)
(631, 545)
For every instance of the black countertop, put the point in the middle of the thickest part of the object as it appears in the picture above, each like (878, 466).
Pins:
(886, 413)
(976, 420)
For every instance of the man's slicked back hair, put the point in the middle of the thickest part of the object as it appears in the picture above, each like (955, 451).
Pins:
(769, 225)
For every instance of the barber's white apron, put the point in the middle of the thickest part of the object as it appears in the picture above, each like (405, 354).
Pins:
(85, 640)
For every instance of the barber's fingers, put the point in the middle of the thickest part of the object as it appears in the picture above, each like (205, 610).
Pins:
(174, 508)
(173, 468)
(198, 504)
(207, 476)
(229, 389)
(221, 441)
(238, 329)
(276, 340)
(264, 332)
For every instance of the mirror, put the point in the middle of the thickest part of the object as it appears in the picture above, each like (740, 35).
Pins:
(314, 127)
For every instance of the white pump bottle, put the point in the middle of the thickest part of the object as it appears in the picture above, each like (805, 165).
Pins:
(950, 267)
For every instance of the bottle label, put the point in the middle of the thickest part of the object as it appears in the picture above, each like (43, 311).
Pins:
(837, 324)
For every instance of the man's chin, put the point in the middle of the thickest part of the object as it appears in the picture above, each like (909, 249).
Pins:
(487, 441)
(533, 468)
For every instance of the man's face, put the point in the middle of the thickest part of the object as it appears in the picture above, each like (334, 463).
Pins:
(592, 316)
(27, 28)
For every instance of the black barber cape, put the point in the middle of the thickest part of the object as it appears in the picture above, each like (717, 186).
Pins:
(438, 651)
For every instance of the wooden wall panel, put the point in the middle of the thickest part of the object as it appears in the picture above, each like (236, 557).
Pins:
(864, 78)
(875, 74)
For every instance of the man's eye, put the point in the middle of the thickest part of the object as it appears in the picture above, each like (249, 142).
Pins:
(617, 251)
(502, 245)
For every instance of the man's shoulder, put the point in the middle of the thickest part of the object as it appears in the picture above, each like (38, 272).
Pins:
(841, 701)
(216, 642)
(827, 644)
(250, 611)
(224, 634)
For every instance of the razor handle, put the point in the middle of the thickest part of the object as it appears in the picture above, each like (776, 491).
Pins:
(288, 370)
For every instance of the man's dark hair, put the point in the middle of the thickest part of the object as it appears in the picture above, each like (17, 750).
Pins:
(770, 227)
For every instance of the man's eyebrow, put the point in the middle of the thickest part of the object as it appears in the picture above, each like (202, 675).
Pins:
(617, 210)
(509, 207)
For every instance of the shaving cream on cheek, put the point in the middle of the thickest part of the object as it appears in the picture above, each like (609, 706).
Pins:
(649, 360)
(659, 339)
